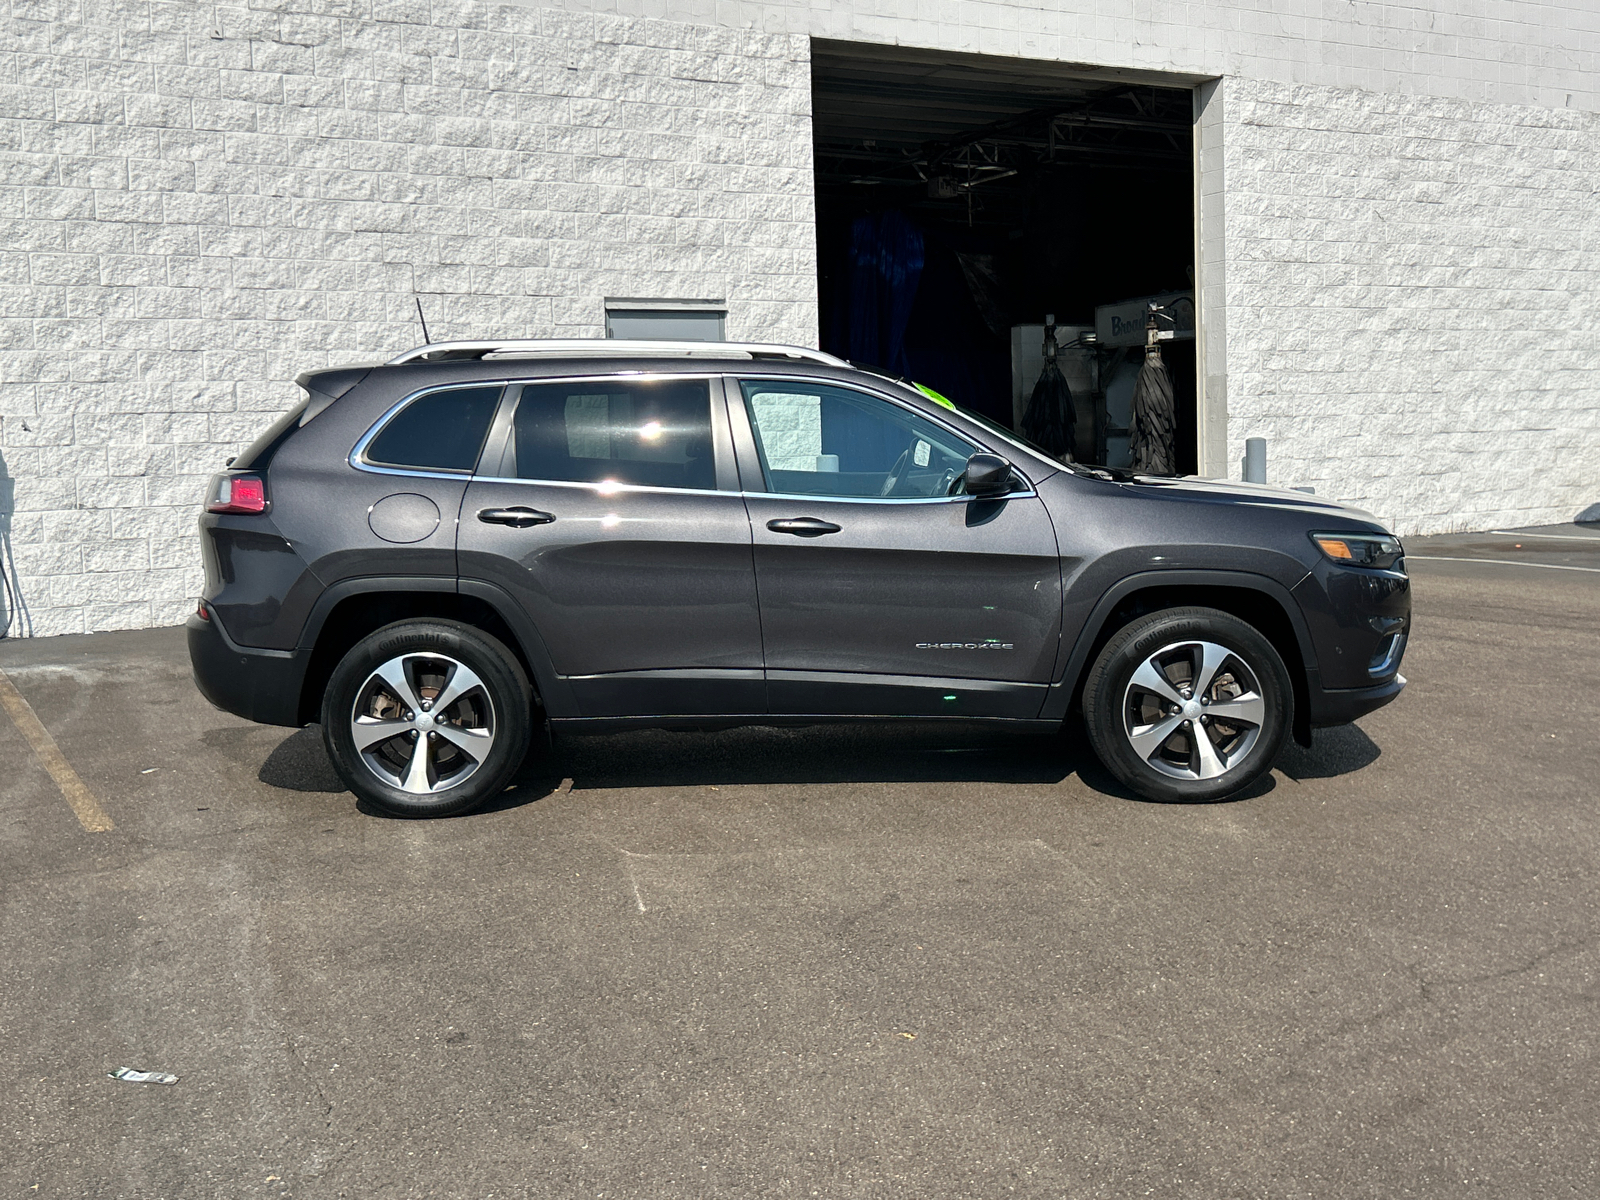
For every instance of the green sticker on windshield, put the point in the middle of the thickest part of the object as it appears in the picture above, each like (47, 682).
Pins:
(933, 395)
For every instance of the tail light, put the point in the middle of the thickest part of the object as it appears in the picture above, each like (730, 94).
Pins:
(237, 494)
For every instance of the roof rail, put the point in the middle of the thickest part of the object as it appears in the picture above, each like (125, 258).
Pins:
(606, 348)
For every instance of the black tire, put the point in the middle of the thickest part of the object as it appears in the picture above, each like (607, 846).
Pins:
(478, 738)
(1245, 712)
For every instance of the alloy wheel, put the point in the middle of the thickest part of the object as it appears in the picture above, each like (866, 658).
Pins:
(423, 723)
(1193, 710)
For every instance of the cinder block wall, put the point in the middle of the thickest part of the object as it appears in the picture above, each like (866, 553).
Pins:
(199, 202)
(1413, 301)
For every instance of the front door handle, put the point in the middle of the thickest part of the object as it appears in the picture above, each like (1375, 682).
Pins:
(518, 517)
(803, 526)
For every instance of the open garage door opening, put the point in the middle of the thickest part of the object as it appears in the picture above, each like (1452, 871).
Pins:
(961, 200)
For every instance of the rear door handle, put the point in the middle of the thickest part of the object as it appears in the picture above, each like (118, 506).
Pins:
(518, 517)
(803, 526)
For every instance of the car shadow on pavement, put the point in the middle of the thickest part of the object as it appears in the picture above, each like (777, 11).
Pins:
(300, 764)
(885, 752)
(1342, 750)
(880, 752)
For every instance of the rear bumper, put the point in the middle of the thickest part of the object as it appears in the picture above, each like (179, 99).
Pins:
(1340, 706)
(259, 685)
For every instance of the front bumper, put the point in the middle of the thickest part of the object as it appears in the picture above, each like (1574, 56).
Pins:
(259, 685)
(1340, 706)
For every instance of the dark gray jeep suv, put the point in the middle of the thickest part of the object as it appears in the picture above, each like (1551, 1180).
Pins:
(430, 555)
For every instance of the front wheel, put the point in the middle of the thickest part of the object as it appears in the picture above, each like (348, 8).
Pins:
(427, 718)
(1188, 704)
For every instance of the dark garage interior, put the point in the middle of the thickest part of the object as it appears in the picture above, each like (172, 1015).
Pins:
(961, 199)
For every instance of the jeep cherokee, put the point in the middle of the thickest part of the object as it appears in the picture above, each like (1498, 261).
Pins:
(432, 555)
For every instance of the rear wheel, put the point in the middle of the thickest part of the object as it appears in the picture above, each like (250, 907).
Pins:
(1188, 704)
(427, 718)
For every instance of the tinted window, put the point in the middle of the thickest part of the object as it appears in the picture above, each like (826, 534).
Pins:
(655, 433)
(442, 431)
(816, 440)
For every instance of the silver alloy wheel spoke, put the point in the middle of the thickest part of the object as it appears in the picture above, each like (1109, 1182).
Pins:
(1212, 656)
(369, 731)
(1248, 708)
(473, 742)
(1147, 739)
(1208, 763)
(461, 681)
(393, 673)
(1150, 678)
(418, 777)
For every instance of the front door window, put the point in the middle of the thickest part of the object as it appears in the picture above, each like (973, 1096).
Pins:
(816, 440)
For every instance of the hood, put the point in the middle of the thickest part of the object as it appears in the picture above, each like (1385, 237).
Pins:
(1259, 495)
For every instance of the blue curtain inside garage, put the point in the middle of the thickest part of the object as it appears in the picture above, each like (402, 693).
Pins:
(906, 306)
(885, 268)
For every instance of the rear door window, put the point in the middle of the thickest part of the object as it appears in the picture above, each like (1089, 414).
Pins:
(439, 431)
(650, 433)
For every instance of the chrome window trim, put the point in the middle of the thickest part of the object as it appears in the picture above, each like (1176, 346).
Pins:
(358, 453)
(962, 498)
(360, 462)
(898, 402)
(618, 489)
(409, 472)
(615, 489)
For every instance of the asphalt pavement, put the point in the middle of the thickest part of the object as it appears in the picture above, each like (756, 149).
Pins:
(888, 962)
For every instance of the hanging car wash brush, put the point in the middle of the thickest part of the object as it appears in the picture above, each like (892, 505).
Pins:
(1155, 418)
(1050, 419)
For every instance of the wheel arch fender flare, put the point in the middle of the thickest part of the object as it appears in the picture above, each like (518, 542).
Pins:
(549, 688)
(552, 688)
(1094, 632)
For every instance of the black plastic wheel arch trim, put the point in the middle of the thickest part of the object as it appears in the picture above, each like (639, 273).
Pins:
(1064, 688)
(549, 687)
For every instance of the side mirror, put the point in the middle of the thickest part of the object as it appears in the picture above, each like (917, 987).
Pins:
(988, 475)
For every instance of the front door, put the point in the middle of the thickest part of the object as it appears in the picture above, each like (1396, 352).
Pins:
(883, 589)
(606, 519)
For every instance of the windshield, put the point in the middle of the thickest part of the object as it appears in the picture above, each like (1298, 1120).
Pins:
(994, 427)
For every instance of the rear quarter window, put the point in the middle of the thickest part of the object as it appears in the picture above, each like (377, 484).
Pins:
(440, 431)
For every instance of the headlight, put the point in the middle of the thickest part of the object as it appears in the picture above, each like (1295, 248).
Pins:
(1381, 550)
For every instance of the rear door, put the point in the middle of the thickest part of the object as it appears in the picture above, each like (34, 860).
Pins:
(883, 589)
(613, 518)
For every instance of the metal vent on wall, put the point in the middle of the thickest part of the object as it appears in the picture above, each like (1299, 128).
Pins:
(682, 320)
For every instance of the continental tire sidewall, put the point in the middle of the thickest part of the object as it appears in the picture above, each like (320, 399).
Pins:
(503, 678)
(1131, 646)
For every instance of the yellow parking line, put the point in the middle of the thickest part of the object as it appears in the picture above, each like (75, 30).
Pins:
(85, 807)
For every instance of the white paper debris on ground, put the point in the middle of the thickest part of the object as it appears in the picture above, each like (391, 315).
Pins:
(129, 1075)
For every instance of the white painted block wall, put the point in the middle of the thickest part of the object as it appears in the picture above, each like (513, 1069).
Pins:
(1413, 302)
(198, 201)
(202, 201)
